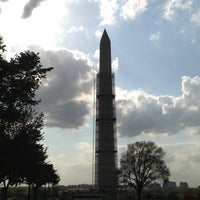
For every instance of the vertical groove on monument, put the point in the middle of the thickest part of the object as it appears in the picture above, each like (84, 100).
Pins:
(105, 143)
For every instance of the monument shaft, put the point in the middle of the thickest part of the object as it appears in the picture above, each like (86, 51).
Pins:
(105, 144)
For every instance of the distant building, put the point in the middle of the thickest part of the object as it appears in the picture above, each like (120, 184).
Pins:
(169, 185)
(183, 185)
(79, 188)
(155, 186)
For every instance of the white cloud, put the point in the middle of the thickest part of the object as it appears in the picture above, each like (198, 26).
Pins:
(108, 10)
(73, 168)
(75, 29)
(98, 34)
(42, 28)
(179, 160)
(115, 64)
(191, 92)
(96, 54)
(174, 5)
(75, 174)
(85, 153)
(155, 36)
(2, 1)
(195, 18)
(139, 112)
(132, 8)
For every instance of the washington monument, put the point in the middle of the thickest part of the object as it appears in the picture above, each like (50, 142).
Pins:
(105, 141)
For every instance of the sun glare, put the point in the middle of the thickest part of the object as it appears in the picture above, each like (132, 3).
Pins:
(41, 28)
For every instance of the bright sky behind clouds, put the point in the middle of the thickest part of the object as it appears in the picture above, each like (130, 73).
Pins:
(155, 53)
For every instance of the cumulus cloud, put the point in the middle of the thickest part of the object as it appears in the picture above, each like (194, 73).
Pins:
(2, 1)
(29, 7)
(132, 8)
(66, 93)
(108, 9)
(140, 112)
(174, 5)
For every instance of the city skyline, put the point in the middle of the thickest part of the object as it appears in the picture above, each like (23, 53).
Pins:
(155, 57)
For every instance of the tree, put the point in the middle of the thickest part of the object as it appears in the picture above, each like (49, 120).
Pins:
(20, 124)
(143, 164)
(41, 174)
(21, 153)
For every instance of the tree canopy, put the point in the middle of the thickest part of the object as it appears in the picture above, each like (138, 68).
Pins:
(20, 124)
(142, 164)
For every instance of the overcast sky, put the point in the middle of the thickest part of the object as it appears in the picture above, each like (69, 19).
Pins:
(155, 57)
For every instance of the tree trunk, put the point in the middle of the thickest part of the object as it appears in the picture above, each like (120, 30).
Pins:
(29, 192)
(35, 193)
(5, 190)
(45, 192)
(139, 193)
(5, 193)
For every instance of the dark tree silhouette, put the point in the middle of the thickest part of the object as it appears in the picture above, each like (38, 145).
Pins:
(41, 174)
(21, 153)
(20, 124)
(143, 164)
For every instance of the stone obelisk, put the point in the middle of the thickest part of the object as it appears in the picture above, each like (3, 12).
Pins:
(105, 141)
